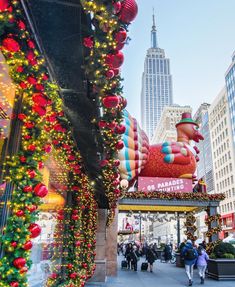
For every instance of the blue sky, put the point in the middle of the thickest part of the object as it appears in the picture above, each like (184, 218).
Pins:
(198, 37)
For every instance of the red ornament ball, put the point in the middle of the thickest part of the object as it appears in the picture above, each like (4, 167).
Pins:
(120, 145)
(14, 284)
(115, 61)
(31, 173)
(39, 99)
(31, 208)
(39, 110)
(19, 262)
(120, 129)
(34, 229)
(75, 217)
(19, 213)
(53, 276)
(40, 190)
(117, 7)
(78, 243)
(102, 124)
(73, 275)
(14, 244)
(128, 11)
(10, 45)
(110, 74)
(28, 245)
(27, 188)
(4, 5)
(110, 101)
(121, 36)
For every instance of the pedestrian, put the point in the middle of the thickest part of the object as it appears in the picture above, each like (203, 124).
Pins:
(190, 254)
(127, 255)
(150, 257)
(135, 257)
(202, 263)
(167, 252)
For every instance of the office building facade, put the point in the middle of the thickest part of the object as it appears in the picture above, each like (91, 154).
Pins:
(156, 90)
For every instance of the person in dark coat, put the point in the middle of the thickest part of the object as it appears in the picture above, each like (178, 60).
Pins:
(190, 256)
(127, 255)
(167, 252)
(135, 256)
(150, 257)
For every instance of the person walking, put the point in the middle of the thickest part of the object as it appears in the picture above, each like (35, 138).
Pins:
(202, 263)
(190, 255)
(150, 257)
(127, 255)
(135, 257)
(167, 252)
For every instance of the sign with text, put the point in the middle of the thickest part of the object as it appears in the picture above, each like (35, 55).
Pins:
(164, 184)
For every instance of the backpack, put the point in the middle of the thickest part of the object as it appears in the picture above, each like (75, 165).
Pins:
(190, 254)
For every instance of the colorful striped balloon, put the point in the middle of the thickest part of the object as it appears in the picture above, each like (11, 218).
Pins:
(134, 155)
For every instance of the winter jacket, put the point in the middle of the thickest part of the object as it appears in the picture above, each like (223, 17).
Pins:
(202, 259)
(150, 256)
(187, 261)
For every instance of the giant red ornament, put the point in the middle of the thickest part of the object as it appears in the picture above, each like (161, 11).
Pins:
(128, 11)
(14, 284)
(115, 61)
(40, 190)
(28, 245)
(3, 5)
(19, 262)
(110, 101)
(34, 229)
(10, 45)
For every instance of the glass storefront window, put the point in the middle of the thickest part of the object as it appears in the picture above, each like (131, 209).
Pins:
(45, 255)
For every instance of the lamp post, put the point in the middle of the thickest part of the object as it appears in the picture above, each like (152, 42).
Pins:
(178, 229)
(140, 226)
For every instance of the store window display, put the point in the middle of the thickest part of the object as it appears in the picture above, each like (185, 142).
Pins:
(43, 251)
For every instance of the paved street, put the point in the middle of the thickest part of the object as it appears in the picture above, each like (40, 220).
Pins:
(164, 275)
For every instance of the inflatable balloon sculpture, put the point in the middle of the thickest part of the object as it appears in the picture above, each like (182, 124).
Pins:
(168, 160)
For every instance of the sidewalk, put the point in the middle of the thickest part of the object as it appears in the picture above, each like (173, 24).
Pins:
(164, 275)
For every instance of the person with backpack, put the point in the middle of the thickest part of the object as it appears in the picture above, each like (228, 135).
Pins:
(150, 257)
(190, 255)
(202, 262)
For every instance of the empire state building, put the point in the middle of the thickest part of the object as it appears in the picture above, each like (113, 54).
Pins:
(156, 90)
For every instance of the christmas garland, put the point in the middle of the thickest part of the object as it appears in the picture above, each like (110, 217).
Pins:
(212, 230)
(174, 195)
(44, 127)
(110, 20)
(190, 227)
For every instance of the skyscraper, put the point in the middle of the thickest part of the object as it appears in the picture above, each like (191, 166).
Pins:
(156, 85)
(230, 86)
(204, 166)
